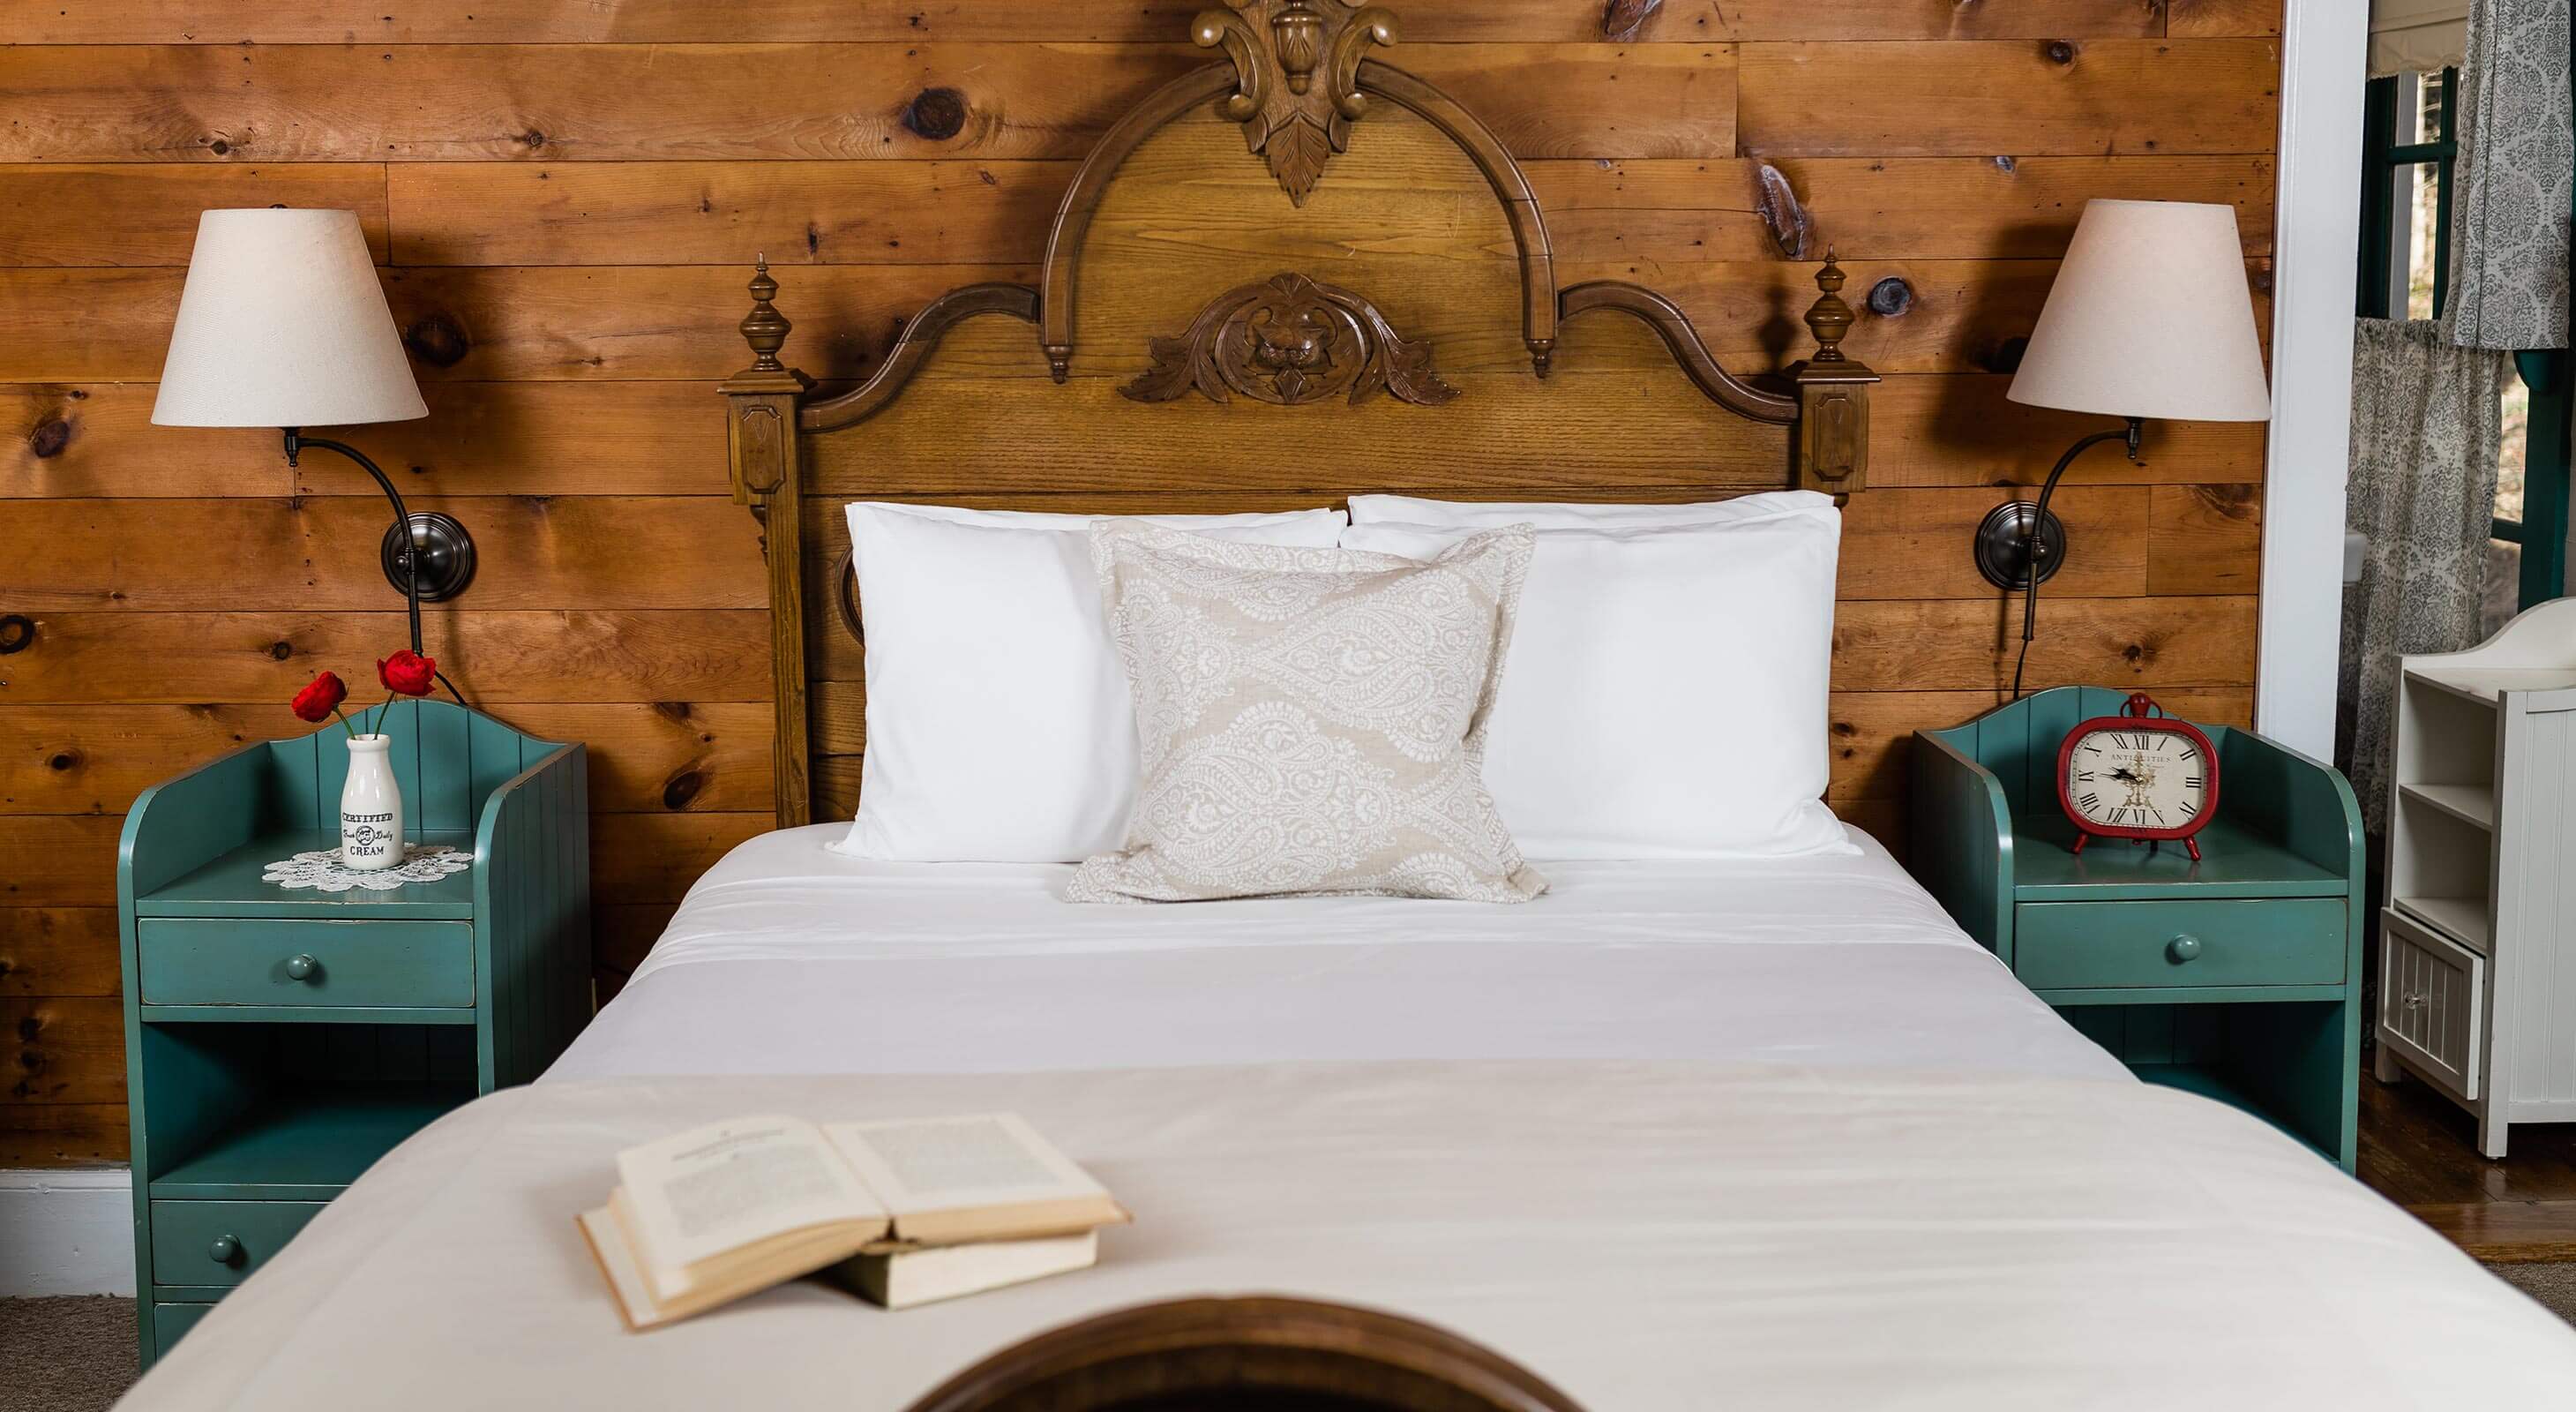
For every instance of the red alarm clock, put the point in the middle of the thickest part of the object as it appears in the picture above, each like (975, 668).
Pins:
(2140, 774)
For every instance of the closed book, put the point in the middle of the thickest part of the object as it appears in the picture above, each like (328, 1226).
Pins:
(903, 1278)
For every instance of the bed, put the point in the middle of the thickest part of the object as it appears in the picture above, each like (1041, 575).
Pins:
(1678, 1134)
(1773, 1130)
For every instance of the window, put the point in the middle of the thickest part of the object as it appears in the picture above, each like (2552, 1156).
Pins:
(2409, 145)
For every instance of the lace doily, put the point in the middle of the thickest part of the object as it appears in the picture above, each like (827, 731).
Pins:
(322, 870)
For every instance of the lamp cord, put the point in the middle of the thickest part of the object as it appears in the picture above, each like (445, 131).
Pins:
(2131, 433)
(296, 443)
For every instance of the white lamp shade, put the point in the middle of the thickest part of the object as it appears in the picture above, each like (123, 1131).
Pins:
(284, 324)
(2150, 317)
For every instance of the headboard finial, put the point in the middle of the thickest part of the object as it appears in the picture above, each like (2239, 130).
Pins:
(1829, 318)
(1288, 118)
(764, 328)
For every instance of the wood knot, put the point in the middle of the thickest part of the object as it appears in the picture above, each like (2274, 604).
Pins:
(219, 146)
(281, 650)
(683, 787)
(936, 113)
(1623, 20)
(2060, 52)
(674, 711)
(1890, 298)
(1787, 220)
(30, 1027)
(49, 437)
(64, 760)
(438, 340)
(532, 139)
(2231, 502)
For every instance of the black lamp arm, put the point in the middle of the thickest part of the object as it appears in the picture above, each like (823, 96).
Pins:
(2132, 434)
(297, 442)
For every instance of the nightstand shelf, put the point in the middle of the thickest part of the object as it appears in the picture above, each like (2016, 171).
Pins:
(2216, 1084)
(230, 884)
(2236, 977)
(305, 1143)
(2235, 862)
(279, 1042)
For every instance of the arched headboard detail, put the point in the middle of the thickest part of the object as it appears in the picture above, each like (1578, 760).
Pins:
(1297, 126)
(1247, 355)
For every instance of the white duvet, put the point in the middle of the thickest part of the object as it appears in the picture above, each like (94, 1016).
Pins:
(1676, 1137)
(788, 958)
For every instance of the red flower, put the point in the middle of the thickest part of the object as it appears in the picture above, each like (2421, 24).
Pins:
(317, 701)
(407, 673)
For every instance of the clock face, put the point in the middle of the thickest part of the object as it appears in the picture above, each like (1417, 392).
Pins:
(2137, 777)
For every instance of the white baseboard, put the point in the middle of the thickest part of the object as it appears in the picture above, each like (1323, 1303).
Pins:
(66, 1232)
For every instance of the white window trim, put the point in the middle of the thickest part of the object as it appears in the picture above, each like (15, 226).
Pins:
(2316, 253)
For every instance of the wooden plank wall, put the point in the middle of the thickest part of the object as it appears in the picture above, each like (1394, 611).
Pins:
(565, 193)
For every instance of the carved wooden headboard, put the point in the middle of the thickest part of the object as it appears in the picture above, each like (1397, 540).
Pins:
(1365, 301)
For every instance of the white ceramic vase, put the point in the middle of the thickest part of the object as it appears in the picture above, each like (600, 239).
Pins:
(371, 833)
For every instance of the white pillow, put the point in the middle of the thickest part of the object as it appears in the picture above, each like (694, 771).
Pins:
(999, 728)
(1667, 697)
(1410, 510)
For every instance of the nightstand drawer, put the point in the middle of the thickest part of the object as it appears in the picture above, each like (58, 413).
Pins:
(221, 1242)
(2128, 945)
(171, 1322)
(193, 961)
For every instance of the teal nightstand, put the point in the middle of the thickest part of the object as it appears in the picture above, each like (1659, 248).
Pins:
(2238, 977)
(278, 1042)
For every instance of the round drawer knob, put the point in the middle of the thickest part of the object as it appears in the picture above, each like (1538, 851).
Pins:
(2185, 947)
(223, 1250)
(302, 968)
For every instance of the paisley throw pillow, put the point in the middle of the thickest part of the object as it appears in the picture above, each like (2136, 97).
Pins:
(1309, 720)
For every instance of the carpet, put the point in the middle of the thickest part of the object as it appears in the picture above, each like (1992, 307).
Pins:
(77, 1354)
(65, 1355)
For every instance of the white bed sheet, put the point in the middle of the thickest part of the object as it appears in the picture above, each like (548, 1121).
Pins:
(1677, 1136)
(787, 958)
(1650, 1237)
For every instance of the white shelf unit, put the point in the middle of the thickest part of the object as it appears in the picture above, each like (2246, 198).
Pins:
(2477, 969)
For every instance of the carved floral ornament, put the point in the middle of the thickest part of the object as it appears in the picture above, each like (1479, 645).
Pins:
(1288, 341)
(1279, 49)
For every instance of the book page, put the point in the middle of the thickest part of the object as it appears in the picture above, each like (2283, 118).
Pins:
(714, 1189)
(977, 1162)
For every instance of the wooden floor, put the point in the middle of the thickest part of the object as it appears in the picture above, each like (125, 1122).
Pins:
(2420, 1150)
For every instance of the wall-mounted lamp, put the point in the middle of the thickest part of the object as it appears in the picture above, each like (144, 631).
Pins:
(284, 324)
(2150, 317)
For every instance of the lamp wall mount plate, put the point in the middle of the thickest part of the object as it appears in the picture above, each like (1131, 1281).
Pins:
(444, 551)
(2004, 551)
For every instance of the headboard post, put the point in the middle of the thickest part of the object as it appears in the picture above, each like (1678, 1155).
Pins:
(760, 436)
(1831, 451)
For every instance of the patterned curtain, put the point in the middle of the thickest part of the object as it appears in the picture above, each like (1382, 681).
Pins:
(2516, 174)
(2427, 425)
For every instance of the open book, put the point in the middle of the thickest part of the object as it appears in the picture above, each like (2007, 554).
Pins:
(707, 1216)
